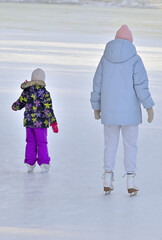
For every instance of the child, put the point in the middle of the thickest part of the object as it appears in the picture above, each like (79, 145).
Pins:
(120, 86)
(38, 116)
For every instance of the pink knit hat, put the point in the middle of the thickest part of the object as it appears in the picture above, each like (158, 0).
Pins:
(124, 33)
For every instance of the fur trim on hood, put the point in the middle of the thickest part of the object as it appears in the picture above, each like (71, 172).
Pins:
(27, 84)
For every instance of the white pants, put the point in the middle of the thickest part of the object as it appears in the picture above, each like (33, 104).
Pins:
(129, 135)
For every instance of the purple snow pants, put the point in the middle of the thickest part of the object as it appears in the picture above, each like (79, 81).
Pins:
(36, 147)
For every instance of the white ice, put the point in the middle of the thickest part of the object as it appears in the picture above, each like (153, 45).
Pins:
(68, 203)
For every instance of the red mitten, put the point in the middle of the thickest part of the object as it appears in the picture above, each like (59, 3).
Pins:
(54, 127)
(13, 108)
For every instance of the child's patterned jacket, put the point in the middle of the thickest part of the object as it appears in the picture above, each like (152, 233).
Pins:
(38, 105)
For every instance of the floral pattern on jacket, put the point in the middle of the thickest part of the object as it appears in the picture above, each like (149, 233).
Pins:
(38, 107)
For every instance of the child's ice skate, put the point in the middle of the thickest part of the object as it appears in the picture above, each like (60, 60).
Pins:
(132, 189)
(30, 168)
(108, 182)
(45, 168)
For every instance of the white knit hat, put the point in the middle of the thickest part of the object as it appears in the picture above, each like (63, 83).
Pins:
(38, 75)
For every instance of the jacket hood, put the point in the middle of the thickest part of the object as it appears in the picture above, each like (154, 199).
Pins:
(27, 84)
(119, 50)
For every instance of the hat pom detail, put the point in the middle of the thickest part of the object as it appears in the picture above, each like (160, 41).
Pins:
(124, 33)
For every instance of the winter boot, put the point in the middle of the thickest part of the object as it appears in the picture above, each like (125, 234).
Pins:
(132, 189)
(45, 168)
(30, 168)
(108, 182)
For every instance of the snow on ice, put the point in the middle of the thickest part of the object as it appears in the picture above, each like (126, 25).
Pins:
(114, 3)
(69, 203)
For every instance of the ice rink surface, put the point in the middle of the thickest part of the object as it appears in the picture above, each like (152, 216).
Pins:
(68, 203)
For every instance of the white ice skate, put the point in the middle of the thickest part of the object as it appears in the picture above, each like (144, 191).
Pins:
(108, 182)
(45, 168)
(132, 189)
(30, 168)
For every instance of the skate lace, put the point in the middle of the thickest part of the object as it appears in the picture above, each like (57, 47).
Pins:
(129, 174)
(109, 172)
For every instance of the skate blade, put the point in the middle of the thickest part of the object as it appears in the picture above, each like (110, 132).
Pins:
(30, 172)
(107, 190)
(132, 192)
(44, 171)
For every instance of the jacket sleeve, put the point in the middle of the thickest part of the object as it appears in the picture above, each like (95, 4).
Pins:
(20, 103)
(97, 83)
(48, 108)
(141, 84)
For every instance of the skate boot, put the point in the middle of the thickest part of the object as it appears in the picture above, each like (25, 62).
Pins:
(30, 168)
(132, 189)
(108, 182)
(45, 168)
